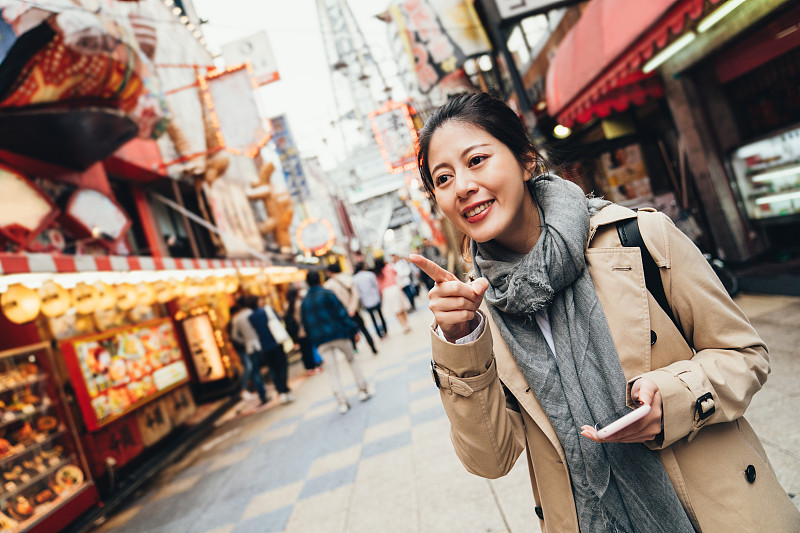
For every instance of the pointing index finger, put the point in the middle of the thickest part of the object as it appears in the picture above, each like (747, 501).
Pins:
(437, 273)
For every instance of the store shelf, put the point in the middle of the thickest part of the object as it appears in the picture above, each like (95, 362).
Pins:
(34, 480)
(17, 417)
(778, 197)
(33, 380)
(43, 510)
(31, 448)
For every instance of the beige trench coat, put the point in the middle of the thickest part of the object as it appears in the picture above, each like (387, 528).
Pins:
(716, 464)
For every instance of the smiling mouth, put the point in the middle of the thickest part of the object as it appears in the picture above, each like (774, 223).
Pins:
(478, 209)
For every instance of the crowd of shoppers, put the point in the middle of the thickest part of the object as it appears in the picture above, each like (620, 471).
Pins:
(321, 322)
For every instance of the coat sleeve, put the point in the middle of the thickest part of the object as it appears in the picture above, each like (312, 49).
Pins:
(730, 362)
(486, 432)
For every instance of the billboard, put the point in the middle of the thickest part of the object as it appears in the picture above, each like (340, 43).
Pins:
(291, 163)
(257, 51)
(230, 98)
(438, 50)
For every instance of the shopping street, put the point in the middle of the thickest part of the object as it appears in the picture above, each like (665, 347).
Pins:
(388, 465)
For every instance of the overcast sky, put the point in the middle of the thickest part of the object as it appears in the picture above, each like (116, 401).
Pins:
(304, 91)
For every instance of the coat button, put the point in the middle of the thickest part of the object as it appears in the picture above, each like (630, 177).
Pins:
(539, 512)
(653, 337)
(750, 473)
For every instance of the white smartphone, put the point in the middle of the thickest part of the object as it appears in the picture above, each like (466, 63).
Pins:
(623, 422)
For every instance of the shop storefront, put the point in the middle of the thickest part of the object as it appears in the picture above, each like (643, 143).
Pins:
(100, 368)
(690, 104)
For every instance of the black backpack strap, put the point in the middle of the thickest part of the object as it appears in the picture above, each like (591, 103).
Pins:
(631, 237)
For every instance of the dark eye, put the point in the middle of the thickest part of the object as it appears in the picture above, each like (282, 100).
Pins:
(441, 179)
(476, 159)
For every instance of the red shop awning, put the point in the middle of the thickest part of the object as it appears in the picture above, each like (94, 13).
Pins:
(597, 67)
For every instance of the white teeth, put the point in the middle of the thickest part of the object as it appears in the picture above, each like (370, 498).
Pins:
(480, 209)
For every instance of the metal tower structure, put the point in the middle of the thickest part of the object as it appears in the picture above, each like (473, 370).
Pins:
(357, 81)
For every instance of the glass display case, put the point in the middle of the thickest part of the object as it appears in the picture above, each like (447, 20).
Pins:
(768, 175)
(42, 465)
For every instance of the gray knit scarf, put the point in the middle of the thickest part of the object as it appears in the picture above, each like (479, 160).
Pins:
(617, 487)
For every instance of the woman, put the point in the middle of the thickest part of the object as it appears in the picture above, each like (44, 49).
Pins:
(294, 325)
(573, 336)
(394, 301)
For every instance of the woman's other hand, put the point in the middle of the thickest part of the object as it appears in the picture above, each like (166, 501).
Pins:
(453, 302)
(643, 391)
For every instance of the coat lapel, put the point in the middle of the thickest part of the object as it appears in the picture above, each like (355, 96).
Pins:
(514, 380)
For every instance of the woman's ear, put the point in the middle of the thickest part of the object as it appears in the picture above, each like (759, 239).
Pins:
(531, 167)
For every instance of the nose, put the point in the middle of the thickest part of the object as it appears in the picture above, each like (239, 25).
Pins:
(465, 184)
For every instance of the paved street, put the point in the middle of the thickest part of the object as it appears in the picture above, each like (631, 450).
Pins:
(388, 464)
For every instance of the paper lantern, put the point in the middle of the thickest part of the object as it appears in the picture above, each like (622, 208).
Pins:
(84, 298)
(126, 296)
(231, 284)
(20, 304)
(106, 295)
(55, 299)
(145, 294)
(164, 291)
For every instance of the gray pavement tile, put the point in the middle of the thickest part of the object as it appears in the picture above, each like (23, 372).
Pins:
(273, 522)
(287, 421)
(387, 444)
(788, 315)
(428, 415)
(421, 393)
(329, 481)
(220, 512)
(193, 470)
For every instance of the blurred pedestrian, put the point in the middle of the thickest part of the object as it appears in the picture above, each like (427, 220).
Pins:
(343, 287)
(244, 335)
(330, 327)
(273, 352)
(370, 294)
(431, 253)
(403, 269)
(294, 326)
(394, 301)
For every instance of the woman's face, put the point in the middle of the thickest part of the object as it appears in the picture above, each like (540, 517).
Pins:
(480, 186)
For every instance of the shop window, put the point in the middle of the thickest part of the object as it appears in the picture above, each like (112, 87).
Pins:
(767, 98)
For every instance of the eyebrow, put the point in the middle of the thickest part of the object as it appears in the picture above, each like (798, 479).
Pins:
(465, 152)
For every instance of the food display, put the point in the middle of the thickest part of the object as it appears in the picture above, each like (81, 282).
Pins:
(37, 457)
(119, 370)
(768, 175)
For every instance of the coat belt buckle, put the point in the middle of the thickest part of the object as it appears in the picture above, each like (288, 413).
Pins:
(703, 412)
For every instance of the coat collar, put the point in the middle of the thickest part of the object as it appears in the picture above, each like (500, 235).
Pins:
(610, 214)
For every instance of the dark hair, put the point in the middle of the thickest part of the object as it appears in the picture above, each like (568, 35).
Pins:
(334, 267)
(359, 266)
(491, 115)
(379, 264)
(251, 302)
(313, 278)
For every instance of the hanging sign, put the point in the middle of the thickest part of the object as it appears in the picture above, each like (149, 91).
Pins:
(394, 131)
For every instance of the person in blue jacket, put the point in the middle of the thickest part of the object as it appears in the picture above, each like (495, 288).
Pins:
(330, 328)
